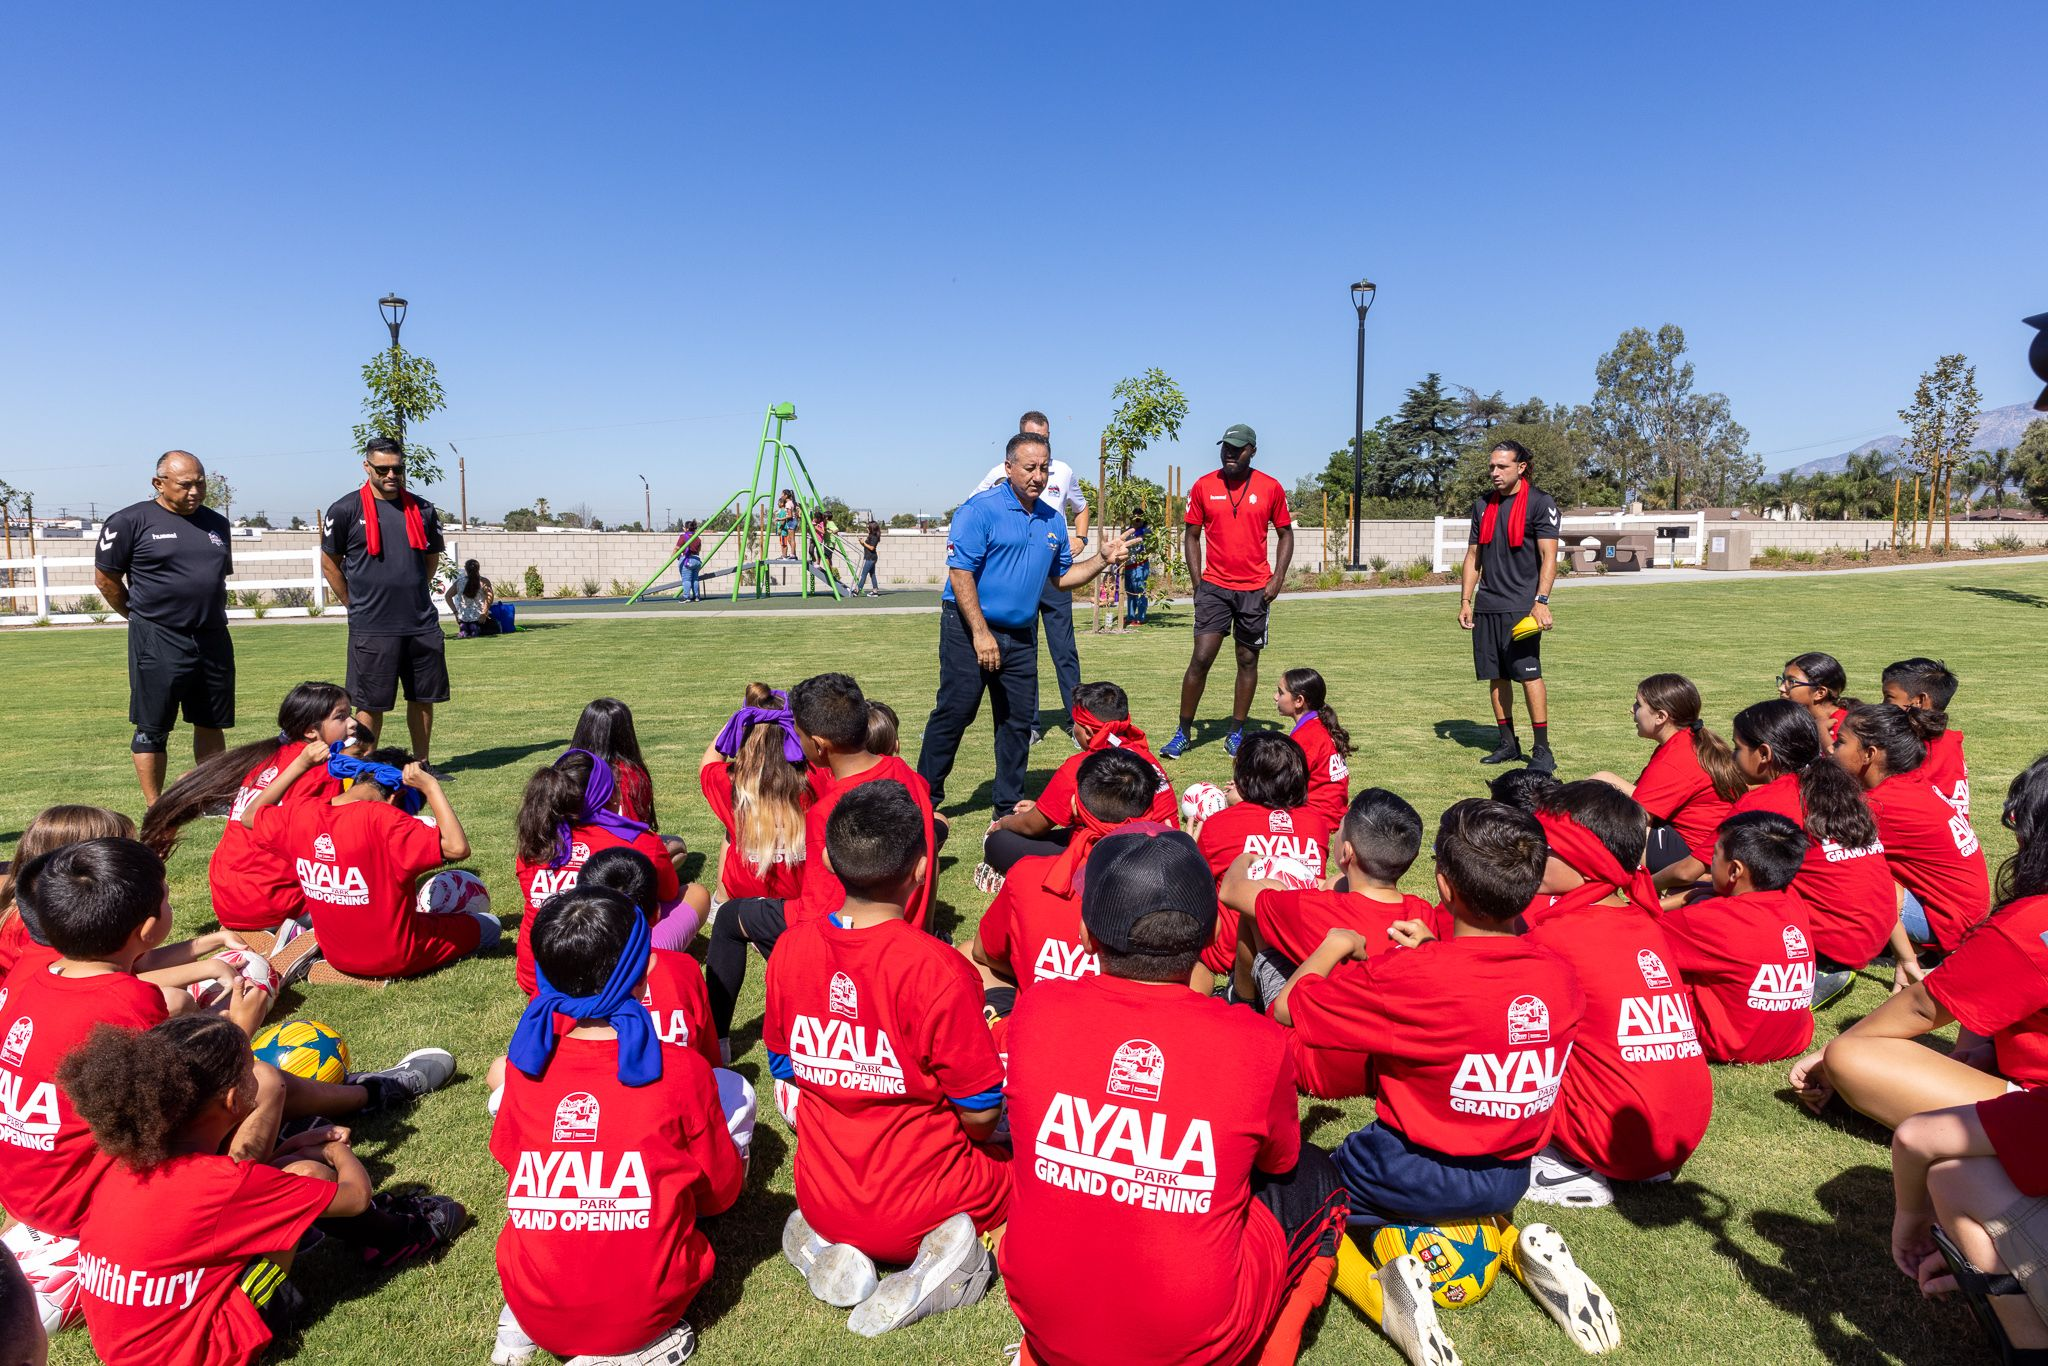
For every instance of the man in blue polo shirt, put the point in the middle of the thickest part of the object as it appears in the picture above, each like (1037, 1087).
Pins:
(1002, 548)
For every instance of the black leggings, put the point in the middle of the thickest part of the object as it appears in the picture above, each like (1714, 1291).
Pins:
(1311, 1204)
(1003, 848)
(1665, 848)
(749, 920)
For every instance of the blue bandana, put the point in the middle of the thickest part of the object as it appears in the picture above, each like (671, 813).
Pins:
(534, 1040)
(384, 775)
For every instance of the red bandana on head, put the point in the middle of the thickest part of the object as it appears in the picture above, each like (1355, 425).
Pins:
(1106, 733)
(415, 524)
(1580, 850)
(1518, 517)
(1067, 873)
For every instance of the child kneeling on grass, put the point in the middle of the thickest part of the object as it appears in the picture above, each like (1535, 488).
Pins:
(360, 856)
(185, 1249)
(879, 1028)
(1464, 1091)
(615, 1145)
(1226, 1244)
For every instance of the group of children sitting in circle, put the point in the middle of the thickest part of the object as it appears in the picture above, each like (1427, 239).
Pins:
(1101, 1089)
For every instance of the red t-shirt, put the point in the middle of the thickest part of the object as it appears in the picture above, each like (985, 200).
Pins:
(882, 1031)
(358, 864)
(782, 878)
(1056, 803)
(49, 1164)
(1749, 962)
(2013, 1123)
(1329, 777)
(14, 939)
(1849, 894)
(253, 888)
(1996, 984)
(1933, 853)
(1139, 1114)
(1676, 790)
(1945, 771)
(1037, 933)
(1234, 522)
(1294, 924)
(163, 1254)
(1463, 1042)
(539, 881)
(1637, 1096)
(601, 1252)
(822, 893)
(1300, 834)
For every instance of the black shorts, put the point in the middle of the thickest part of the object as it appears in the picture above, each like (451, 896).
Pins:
(378, 664)
(1240, 612)
(172, 671)
(1497, 654)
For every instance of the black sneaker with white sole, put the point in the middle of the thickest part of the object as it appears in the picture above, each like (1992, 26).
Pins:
(429, 1222)
(1830, 987)
(414, 1075)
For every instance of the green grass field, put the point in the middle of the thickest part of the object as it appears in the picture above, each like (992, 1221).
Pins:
(1770, 1247)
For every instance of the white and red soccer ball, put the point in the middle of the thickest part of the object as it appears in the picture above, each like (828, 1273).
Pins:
(1201, 801)
(454, 892)
(1288, 872)
(249, 965)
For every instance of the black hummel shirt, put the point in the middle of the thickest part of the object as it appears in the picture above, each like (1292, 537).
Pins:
(177, 567)
(389, 594)
(1508, 576)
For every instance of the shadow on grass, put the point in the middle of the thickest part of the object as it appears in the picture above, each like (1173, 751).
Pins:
(498, 756)
(2016, 598)
(1835, 1272)
(1470, 734)
(332, 1273)
(751, 1233)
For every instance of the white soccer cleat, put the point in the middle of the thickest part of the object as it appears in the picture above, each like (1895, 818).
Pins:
(1544, 1264)
(672, 1348)
(513, 1347)
(1408, 1314)
(1555, 1179)
(840, 1274)
(951, 1270)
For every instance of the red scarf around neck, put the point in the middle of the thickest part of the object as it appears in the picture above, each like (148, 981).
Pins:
(1580, 850)
(1518, 517)
(1069, 870)
(415, 524)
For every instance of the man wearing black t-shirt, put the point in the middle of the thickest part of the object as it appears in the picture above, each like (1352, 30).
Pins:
(1512, 560)
(164, 565)
(379, 548)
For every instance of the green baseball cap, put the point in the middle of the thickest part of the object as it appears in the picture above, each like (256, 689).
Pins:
(1239, 435)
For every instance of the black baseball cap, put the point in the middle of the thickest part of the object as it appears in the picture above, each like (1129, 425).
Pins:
(1133, 874)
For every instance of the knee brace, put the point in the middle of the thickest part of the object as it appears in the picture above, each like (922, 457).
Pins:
(150, 742)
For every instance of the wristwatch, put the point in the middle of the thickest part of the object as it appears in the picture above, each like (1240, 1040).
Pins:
(1543, 598)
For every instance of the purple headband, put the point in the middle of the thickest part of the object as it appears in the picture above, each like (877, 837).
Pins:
(597, 801)
(735, 732)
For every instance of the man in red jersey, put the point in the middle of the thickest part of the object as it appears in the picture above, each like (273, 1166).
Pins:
(1233, 505)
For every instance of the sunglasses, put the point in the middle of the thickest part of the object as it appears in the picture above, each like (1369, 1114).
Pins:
(387, 469)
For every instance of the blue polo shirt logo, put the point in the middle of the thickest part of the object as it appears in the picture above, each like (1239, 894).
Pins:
(1011, 551)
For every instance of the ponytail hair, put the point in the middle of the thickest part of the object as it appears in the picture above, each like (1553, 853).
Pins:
(882, 728)
(554, 798)
(140, 1089)
(1826, 673)
(1308, 685)
(2025, 873)
(1901, 733)
(768, 791)
(212, 786)
(1677, 698)
(761, 695)
(56, 827)
(1832, 800)
(472, 579)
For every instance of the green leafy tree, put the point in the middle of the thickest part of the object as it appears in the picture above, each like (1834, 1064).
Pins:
(1941, 423)
(220, 495)
(1424, 442)
(2030, 464)
(404, 391)
(521, 519)
(1481, 412)
(1150, 408)
(1649, 425)
(903, 521)
(1559, 465)
(260, 519)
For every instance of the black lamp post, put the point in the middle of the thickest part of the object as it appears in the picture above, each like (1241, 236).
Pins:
(393, 309)
(1361, 299)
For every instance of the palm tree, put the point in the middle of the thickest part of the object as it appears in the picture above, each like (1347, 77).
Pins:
(1864, 486)
(1993, 470)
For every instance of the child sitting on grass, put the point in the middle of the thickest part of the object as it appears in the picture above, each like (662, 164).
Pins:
(186, 1248)
(1268, 818)
(1463, 1095)
(1689, 786)
(879, 1028)
(615, 1145)
(1304, 701)
(360, 856)
(754, 780)
(1927, 686)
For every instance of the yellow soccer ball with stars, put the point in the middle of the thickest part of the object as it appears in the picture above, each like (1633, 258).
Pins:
(1462, 1257)
(303, 1048)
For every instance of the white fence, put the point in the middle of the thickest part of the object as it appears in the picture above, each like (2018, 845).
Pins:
(1451, 535)
(29, 580)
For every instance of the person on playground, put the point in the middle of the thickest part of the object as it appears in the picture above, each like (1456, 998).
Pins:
(1227, 1246)
(1926, 685)
(1463, 1043)
(1690, 785)
(1510, 564)
(690, 542)
(1816, 682)
(1235, 586)
(1995, 986)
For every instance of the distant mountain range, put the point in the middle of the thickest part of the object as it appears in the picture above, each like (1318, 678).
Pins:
(1999, 427)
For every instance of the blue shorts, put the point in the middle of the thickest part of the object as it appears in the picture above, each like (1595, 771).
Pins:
(1914, 917)
(1392, 1180)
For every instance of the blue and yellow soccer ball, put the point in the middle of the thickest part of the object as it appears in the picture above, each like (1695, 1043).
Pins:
(1462, 1257)
(303, 1048)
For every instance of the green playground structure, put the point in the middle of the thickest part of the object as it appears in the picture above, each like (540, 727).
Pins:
(777, 466)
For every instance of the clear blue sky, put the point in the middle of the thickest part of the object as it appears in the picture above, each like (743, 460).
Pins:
(627, 229)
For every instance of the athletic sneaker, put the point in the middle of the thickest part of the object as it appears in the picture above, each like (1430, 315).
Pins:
(1233, 742)
(840, 1274)
(987, 880)
(294, 953)
(417, 1073)
(1541, 760)
(430, 1220)
(1408, 1314)
(951, 1270)
(670, 1349)
(513, 1347)
(1555, 1179)
(1036, 735)
(1544, 1264)
(1177, 746)
(1830, 987)
(1510, 752)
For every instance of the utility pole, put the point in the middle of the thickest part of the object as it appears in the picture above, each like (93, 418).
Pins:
(647, 493)
(462, 480)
